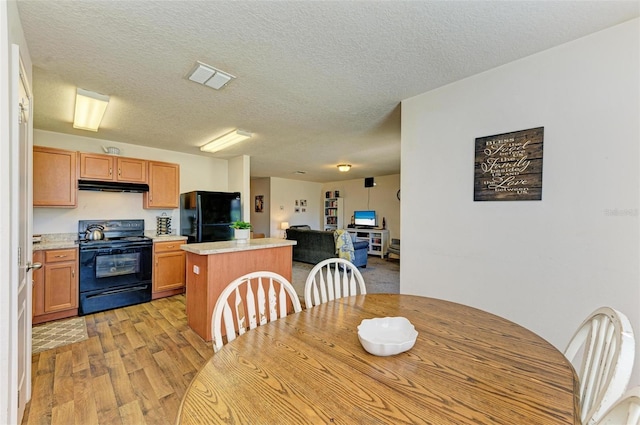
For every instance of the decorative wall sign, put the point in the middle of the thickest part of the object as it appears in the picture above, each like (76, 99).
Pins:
(508, 167)
(259, 203)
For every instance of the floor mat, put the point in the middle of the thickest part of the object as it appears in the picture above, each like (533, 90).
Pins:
(56, 334)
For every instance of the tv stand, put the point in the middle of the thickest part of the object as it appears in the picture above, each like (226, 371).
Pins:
(378, 239)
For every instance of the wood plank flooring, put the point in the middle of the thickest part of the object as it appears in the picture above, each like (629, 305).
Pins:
(133, 369)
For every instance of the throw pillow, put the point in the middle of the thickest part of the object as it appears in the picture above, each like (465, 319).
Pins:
(344, 245)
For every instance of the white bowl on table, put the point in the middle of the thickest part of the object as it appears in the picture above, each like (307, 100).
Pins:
(387, 336)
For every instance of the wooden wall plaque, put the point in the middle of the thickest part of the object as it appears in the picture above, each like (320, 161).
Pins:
(508, 166)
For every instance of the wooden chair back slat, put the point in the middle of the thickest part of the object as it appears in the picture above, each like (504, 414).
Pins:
(252, 305)
(606, 343)
(331, 279)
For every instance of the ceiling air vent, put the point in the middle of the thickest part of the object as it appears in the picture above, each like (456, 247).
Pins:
(209, 76)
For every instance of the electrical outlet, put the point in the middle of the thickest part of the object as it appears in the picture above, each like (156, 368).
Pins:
(196, 269)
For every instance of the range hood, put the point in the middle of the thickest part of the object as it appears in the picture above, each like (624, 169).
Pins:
(112, 186)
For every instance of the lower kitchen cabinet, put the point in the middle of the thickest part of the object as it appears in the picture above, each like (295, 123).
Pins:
(169, 273)
(55, 285)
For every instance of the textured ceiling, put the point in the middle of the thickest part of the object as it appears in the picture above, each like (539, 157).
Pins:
(318, 82)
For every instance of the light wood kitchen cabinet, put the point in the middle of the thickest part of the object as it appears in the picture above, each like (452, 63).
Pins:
(164, 186)
(54, 177)
(55, 289)
(112, 168)
(169, 272)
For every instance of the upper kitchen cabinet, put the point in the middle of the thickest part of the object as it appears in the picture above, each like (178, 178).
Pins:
(164, 185)
(54, 177)
(108, 168)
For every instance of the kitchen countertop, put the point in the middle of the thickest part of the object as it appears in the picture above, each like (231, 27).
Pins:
(207, 248)
(68, 240)
(56, 241)
(165, 238)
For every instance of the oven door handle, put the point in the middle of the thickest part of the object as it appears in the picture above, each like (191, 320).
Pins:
(118, 291)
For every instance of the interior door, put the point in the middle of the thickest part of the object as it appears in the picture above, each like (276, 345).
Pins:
(22, 143)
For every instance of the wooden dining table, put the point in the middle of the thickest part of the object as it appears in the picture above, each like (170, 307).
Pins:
(467, 367)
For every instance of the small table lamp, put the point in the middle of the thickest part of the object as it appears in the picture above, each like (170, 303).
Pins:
(284, 226)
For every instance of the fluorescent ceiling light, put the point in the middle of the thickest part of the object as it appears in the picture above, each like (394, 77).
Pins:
(344, 167)
(209, 76)
(90, 108)
(236, 136)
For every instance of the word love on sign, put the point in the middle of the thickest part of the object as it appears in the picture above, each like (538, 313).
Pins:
(508, 167)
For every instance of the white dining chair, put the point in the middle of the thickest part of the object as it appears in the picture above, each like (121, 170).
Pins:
(331, 279)
(250, 301)
(602, 351)
(626, 411)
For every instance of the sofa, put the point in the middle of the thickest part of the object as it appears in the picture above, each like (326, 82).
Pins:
(314, 246)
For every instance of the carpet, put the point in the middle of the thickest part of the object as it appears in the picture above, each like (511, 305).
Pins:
(57, 334)
(381, 276)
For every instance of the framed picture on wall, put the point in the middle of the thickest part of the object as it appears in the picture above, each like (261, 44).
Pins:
(259, 203)
(508, 166)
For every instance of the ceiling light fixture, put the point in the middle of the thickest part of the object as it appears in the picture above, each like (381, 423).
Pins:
(229, 139)
(344, 167)
(209, 76)
(90, 108)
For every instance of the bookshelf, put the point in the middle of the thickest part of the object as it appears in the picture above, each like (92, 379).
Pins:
(378, 240)
(333, 213)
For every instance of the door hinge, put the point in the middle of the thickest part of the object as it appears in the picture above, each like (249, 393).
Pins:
(22, 112)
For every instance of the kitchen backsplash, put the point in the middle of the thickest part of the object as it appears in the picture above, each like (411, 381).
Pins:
(97, 206)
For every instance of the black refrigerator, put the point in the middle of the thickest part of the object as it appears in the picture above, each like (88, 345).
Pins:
(207, 216)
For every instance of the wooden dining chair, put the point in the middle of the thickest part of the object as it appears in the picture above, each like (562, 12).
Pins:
(250, 301)
(602, 352)
(330, 279)
(626, 411)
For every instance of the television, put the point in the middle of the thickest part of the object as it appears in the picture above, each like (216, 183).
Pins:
(364, 218)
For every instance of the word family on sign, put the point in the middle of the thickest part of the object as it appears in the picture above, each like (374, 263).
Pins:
(509, 166)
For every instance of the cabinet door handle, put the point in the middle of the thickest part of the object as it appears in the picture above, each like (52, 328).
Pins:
(170, 246)
(119, 172)
(73, 273)
(110, 172)
(33, 266)
(61, 256)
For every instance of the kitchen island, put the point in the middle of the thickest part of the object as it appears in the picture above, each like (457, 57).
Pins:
(211, 266)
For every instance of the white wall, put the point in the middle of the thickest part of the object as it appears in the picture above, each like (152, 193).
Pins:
(240, 181)
(381, 198)
(543, 264)
(261, 221)
(280, 196)
(196, 173)
(284, 193)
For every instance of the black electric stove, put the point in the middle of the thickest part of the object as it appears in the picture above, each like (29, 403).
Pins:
(114, 271)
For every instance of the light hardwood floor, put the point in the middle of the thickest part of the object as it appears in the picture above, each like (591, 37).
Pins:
(133, 369)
